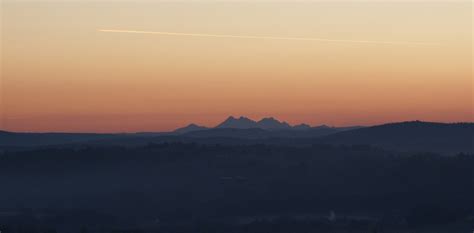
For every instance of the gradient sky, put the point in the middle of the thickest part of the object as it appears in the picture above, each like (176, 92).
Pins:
(59, 73)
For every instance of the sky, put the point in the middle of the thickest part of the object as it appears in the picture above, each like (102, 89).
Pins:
(81, 66)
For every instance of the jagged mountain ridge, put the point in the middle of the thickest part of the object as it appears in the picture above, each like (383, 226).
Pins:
(267, 123)
(242, 122)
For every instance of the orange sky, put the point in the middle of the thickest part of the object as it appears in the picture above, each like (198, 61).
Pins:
(59, 73)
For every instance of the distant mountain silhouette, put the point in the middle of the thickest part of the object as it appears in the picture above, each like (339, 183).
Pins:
(240, 123)
(302, 127)
(190, 128)
(272, 124)
(268, 123)
(410, 136)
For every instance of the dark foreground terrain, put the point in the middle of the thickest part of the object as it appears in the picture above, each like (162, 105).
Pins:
(241, 176)
(261, 188)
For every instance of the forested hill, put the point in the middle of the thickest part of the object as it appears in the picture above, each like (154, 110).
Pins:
(411, 136)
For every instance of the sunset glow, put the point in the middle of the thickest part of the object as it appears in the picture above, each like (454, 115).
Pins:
(91, 66)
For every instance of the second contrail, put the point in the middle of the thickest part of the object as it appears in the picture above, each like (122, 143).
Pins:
(264, 37)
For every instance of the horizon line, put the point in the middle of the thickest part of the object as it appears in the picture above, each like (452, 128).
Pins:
(213, 127)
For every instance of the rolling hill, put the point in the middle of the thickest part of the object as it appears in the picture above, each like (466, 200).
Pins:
(410, 136)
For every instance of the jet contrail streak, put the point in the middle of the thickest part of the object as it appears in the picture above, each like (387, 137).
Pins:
(264, 37)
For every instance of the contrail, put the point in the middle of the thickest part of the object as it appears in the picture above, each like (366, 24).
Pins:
(264, 37)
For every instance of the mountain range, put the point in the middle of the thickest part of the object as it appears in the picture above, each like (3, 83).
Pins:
(267, 123)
